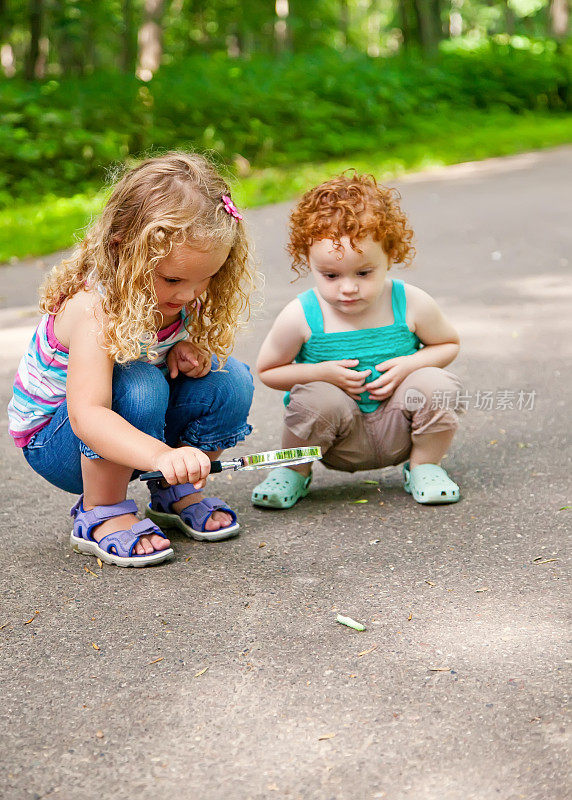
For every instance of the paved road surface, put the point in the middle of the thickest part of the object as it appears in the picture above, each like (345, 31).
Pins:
(105, 689)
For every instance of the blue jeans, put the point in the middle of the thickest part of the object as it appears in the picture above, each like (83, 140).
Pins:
(209, 413)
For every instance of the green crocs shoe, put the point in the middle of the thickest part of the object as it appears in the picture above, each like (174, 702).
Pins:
(281, 489)
(429, 483)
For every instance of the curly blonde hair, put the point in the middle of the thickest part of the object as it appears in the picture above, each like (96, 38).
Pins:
(350, 205)
(166, 200)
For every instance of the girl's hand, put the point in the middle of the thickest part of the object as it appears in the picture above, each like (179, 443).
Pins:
(394, 371)
(187, 358)
(184, 465)
(340, 374)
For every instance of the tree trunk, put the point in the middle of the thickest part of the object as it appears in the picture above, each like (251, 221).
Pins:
(425, 10)
(455, 19)
(90, 61)
(344, 21)
(374, 29)
(438, 22)
(509, 19)
(409, 24)
(559, 18)
(128, 58)
(281, 36)
(150, 40)
(3, 21)
(35, 18)
(7, 60)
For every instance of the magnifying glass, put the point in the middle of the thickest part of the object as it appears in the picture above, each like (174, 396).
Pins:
(266, 460)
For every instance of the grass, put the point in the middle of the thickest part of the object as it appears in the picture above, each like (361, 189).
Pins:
(56, 223)
(434, 144)
(52, 224)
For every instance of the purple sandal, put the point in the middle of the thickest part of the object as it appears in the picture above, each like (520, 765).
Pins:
(115, 548)
(190, 520)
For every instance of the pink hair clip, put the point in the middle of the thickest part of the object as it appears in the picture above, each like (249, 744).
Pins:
(229, 207)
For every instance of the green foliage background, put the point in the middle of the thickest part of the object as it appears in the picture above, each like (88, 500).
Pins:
(282, 94)
(62, 136)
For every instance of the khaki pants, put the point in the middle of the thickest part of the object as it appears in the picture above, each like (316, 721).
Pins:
(322, 414)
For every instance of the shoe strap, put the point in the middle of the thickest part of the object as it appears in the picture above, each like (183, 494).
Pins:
(166, 497)
(122, 543)
(197, 514)
(85, 521)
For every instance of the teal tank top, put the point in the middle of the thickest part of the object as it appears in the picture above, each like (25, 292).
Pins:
(370, 345)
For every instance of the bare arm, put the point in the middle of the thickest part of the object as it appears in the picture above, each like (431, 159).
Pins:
(89, 395)
(281, 346)
(440, 339)
(279, 349)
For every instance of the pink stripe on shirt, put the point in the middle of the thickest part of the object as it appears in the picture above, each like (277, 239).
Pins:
(53, 340)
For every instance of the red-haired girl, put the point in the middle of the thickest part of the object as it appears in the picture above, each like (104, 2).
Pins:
(361, 355)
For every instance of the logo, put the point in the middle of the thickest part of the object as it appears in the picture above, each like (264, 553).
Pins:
(414, 400)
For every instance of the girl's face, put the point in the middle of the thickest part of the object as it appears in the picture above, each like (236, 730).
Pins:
(184, 275)
(349, 281)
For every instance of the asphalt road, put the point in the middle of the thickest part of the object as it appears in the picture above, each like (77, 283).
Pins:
(224, 674)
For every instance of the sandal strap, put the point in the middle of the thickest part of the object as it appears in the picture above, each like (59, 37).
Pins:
(122, 543)
(162, 499)
(197, 514)
(147, 526)
(85, 521)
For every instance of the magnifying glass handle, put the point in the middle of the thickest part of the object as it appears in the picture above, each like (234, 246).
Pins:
(216, 466)
(151, 476)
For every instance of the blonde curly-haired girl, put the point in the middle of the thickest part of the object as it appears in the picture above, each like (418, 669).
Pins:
(125, 373)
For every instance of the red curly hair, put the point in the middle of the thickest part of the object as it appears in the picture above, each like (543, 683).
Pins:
(351, 205)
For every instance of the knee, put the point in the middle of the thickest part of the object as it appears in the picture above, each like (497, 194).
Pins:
(431, 386)
(322, 401)
(433, 398)
(233, 389)
(140, 393)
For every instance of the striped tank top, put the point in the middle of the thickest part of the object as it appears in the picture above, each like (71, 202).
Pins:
(40, 383)
(370, 345)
